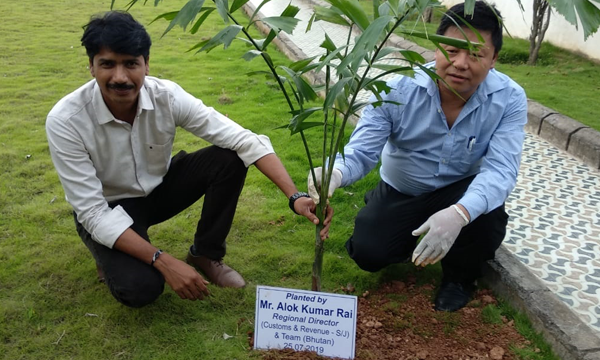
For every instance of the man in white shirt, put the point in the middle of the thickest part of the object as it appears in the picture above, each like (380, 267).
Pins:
(111, 142)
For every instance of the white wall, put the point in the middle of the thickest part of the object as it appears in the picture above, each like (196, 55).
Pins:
(560, 32)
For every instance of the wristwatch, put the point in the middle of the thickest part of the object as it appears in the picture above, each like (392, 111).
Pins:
(295, 197)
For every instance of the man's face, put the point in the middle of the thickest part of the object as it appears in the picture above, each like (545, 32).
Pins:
(120, 77)
(465, 70)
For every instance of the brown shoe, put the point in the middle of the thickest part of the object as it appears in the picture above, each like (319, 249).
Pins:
(216, 272)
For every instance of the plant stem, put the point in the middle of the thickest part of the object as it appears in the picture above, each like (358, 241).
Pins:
(318, 262)
(282, 88)
(355, 94)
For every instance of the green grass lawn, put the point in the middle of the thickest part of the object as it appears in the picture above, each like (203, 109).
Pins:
(562, 80)
(51, 305)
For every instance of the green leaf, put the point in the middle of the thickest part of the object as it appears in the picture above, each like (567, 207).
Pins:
(167, 16)
(394, 69)
(280, 23)
(327, 60)
(353, 10)
(249, 43)
(459, 43)
(305, 91)
(394, 7)
(290, 11)
(413, 56)
(186, 15)
(334, 92)
(257, 10)
(391, 68)
(357, 106)
(297, 123)
(303, 126)
(268, 59)
(237, 4)
(365, 43)
(376, 4)
(206, 11)
(310, 22)
(300, 65)
(248, 56)
(469, 7)
(433, 75)
(379, 103)
(328, 44)
(329, 15)
(588, 13)
(379, 86)
(224, 37)
(222, 9)
(385, 52)
(270, 37)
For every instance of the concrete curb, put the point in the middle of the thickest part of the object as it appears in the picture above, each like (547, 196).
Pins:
(569, 337)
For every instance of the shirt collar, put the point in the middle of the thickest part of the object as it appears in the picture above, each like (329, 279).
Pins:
(423, 80)
(104, 115)
(145, 103)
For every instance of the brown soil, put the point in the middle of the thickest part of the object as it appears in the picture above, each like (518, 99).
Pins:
(398, 322)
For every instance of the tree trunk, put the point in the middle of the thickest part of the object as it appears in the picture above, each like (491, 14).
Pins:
(539, 25)
(428, 15)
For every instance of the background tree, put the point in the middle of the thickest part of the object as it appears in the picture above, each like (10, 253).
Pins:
(576, 12)
(539, 25)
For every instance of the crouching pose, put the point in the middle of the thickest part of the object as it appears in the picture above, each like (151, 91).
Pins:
(450, 154)
(111, 142)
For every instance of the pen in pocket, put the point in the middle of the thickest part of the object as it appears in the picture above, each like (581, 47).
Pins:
(471, 142)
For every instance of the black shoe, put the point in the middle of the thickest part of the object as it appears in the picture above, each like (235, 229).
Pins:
(453, 296)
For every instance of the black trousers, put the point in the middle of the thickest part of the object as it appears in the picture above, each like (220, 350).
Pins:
(383, 231)
(212, 172)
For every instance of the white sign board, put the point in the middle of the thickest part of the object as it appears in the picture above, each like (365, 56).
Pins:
(305, 320)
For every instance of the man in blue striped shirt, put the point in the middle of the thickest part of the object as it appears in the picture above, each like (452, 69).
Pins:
(450, 155)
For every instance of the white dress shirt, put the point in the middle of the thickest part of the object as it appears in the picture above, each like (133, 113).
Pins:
(100, 158)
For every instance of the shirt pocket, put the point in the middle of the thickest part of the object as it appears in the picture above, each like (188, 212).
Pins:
(157, 158)
(472, 157)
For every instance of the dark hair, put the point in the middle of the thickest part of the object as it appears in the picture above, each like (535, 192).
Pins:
(485, 18)
(117, 31)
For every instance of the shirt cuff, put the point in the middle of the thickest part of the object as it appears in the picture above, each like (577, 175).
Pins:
(112, 225)
(475, 204)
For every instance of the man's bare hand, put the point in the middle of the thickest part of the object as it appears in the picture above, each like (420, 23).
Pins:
(182, 278)
(307, 208)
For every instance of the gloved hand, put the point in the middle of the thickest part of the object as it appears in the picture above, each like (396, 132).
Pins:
(336, 182)
(442, 229)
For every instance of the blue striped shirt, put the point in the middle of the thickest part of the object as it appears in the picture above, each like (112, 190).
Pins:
(420, 154)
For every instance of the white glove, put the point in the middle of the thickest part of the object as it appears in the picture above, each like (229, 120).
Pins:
(336, 182)
(442, 229)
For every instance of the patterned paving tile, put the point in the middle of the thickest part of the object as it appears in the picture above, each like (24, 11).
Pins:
(555, 209)
(555, 225)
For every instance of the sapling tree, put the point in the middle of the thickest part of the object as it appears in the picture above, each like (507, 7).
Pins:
(361, 63)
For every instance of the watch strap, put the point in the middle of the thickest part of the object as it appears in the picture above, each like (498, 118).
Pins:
(295, 197)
